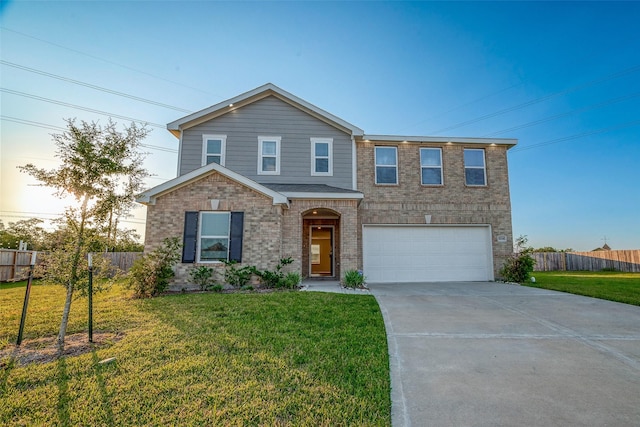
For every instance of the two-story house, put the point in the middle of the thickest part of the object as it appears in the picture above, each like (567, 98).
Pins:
(267, 175)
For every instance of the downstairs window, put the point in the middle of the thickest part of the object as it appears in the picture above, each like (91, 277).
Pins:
(212, 236)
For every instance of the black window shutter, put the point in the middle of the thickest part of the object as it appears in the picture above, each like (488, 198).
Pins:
(235, 236)
(190, 237)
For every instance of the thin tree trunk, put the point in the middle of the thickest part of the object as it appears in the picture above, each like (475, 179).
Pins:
(65, 319)
(115, 235)
(73, 279)
(109, 230)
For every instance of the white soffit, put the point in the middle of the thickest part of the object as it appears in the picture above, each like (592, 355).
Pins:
(510, 142)
(322, 196)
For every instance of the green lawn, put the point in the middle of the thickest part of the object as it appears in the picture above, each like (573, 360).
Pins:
(614, 286)
(284, 358)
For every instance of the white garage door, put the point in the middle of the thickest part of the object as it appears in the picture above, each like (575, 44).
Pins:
(427, 253)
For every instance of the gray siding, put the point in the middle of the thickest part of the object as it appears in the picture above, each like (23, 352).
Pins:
(271, 117)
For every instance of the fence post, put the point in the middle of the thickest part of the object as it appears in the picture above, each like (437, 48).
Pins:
(14, 265)
(90, 297)
(26, 298)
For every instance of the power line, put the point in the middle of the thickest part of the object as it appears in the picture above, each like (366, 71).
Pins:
(157, 147)
(108, 61)
(579, 135)
(463, 105)
(52, 127)
(79, 107)
(570, 113)
(30, 123)
(100, 88)
(39, 215)
(631, 70)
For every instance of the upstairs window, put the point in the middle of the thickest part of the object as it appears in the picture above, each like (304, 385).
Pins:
(321, 156)
(431, 166)
(213, 149)
(475, 173)
(269, 155)
(386, 159)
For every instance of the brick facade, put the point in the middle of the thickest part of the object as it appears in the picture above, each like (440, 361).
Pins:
(270, 232)
(274, 232)
(262, 237)
(452, 203)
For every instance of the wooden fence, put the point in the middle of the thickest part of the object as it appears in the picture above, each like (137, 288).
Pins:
(626, 261)
(122, 260)
(14, 264)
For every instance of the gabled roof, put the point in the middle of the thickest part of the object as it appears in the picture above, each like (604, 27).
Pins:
(254, 95)
(149, 196)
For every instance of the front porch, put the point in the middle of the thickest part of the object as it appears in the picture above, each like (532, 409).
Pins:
(321, 244)
(321, 237)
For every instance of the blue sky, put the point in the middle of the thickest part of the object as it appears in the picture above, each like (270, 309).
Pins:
(561, 77)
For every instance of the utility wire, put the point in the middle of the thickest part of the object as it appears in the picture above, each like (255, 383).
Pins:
(52, 127)
(482, 98)
(622, 73)
(570, 113)
(157, 147)
(79, 107)
(107, 61)
(39, 215)
(30, 123)
(89, 85)
(579, 135)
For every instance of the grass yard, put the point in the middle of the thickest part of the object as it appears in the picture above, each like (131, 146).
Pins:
(283, 358)
(613, 286)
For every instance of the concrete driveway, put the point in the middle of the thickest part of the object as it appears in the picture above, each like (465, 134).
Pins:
(491, 354)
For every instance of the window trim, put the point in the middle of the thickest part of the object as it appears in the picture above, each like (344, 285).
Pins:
(375, 161)
(483, 167)
(223, 148)
(432, 167)
(200, 236)
(261, 140)
(329, 157)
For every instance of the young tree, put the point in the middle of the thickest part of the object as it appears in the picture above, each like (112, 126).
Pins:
(102, 168)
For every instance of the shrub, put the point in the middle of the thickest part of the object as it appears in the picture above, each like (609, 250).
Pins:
(237, 277)
(202, 276)
(273, 278)
(353, 279)
(151, 273)
(518, 267)
(291, 280)
(217, 288)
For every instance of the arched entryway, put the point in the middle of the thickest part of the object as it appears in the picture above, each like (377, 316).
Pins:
(321, 243)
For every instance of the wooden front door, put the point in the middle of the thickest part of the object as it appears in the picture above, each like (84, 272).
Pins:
(321, 251)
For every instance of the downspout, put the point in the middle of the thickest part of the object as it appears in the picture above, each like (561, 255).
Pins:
(179, 154)
(354, 164)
